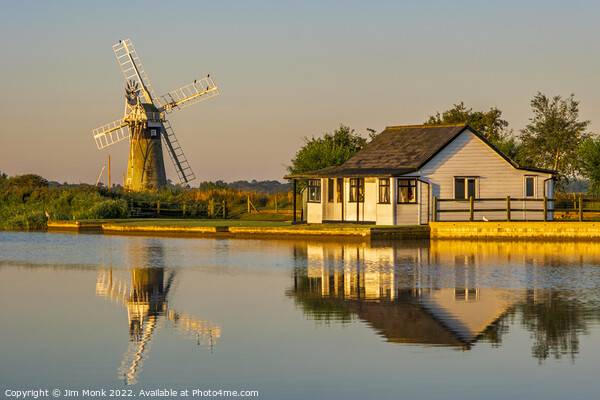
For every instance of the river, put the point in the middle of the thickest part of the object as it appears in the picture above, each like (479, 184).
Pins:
(296, 319)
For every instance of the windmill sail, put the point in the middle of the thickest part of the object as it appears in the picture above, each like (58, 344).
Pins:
(111, 133)
(133, 70)
(193, 93)
(182, 167)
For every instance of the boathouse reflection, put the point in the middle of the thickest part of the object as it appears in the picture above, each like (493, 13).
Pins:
(146, 299)
(445, 293)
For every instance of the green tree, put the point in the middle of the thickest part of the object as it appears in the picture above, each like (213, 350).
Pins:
(489, 124)
(30, 181)
(552, 139)
(589, 163)
(331, 150)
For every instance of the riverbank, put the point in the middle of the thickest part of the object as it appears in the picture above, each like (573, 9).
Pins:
(225, 228)
(556, 230)
(521, 230)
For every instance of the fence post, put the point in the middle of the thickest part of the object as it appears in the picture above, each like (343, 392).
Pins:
(276, 205)
(224, 214)
(211, 207)
(545, 209)
(580, 209)
(507, 208)
(248, 204)
(471, 208)
(158, 208)
(434, 217)
(183, 211)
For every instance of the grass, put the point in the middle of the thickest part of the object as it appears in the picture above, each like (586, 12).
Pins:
(198, 222)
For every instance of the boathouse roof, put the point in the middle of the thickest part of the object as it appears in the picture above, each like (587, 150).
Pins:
(399, 150)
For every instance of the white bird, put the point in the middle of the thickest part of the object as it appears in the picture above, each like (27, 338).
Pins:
(485, 219)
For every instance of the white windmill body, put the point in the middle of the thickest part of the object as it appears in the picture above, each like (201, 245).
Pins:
(145, 125)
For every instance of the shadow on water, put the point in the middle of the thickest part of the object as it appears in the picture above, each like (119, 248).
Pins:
(447, 293)
(146, 296)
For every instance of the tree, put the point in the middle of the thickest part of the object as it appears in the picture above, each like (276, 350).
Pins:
(331, 150)
(27, 181)
(589, 163)
(554, 135)
(489, 124)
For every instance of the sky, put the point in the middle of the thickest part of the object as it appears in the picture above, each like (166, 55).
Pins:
(285, 70)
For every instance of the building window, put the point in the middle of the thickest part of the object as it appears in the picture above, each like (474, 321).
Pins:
(530, 186)
(330, 189)
(339, 190)
(314, 190)
(384, 190)
(357, 190)
(465, 187)
(407, 190)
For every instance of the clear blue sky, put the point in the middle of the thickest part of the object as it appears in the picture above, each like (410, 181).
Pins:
(285, 70)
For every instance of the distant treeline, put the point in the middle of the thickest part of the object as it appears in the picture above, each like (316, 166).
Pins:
(28, 201)
(271, 187)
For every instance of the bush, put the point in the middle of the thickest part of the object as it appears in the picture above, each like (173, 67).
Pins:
(108, 209)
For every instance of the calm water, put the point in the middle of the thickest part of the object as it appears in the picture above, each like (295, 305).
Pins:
(299, 320)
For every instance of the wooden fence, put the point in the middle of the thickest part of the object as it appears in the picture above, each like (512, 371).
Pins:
(578, 208)
(209, 209)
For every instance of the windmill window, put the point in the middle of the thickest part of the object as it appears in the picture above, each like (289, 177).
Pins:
(314, 190)
(407, 191)
(153, 132)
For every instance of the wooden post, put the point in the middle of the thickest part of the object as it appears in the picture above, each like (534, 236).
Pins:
(507, 208)
(276, 206)
(183, 211)
(435, 210)
(157, 207)
(224, 214)
(580, 209)
(545, 209)
(109, 172)
(294, 195)
(471, 208)
(248, 204)
(211, 207)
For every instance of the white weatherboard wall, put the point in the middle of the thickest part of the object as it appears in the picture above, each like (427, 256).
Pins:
(315, 210)
(469, 156)
(332, 208)
(370, 204)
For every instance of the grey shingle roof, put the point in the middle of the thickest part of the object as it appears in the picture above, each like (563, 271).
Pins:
(399, 150)
(395, 151)
(403, 147)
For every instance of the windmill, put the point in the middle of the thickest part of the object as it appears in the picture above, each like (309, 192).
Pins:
(144, 123)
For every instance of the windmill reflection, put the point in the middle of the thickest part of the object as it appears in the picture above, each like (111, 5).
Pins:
(146, 299)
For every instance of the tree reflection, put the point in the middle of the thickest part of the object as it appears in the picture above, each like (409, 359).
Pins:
(556, 322)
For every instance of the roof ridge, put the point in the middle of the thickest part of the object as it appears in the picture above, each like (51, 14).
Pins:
(424, 126)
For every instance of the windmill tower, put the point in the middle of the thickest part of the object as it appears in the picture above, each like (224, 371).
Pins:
(145, 125)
